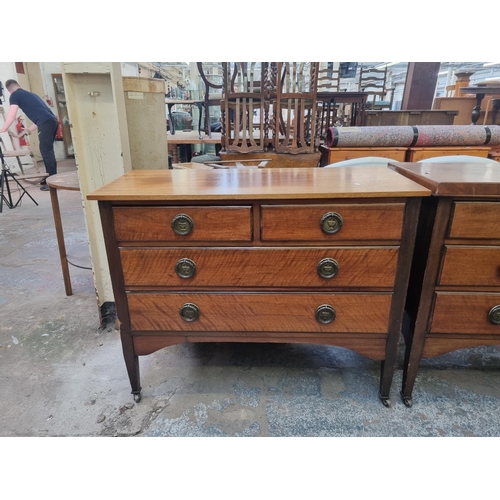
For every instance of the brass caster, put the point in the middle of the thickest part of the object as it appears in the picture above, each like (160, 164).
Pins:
(386, 402)
(407, 400)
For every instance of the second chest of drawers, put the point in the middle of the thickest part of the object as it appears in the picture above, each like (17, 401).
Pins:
(455, 286)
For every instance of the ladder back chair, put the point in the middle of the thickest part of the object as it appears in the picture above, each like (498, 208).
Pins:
(212, 79)
(244, 107)
(373, 81)
(328, 86)
(295, 108)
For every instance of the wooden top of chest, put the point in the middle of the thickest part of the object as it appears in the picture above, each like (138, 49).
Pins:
(453, 179)
(259, 184)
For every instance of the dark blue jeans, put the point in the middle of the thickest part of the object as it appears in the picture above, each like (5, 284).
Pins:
(47, 135)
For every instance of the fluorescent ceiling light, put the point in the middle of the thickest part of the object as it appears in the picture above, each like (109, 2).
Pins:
(386, 64)
(493, 78)
(443, 73)
(490, 64)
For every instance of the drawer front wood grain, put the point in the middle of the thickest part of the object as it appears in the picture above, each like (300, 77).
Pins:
(419, 154)
(341, 154)
(209, 223)
(266, 312)
(471, 266)
(476, 220)
(359, 222)
(261, 267)
(464, 313)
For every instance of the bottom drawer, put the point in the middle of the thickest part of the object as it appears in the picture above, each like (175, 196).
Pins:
(466, 313)
(260, 312)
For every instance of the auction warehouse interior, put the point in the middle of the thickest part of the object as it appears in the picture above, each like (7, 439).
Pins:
(250, 249)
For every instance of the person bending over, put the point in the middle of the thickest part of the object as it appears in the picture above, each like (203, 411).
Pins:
(43, 119)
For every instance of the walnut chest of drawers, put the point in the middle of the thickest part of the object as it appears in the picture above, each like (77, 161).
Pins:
(261, 255)
(454, 293)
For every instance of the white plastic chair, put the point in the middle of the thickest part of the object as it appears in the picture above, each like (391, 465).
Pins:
(461, 159)
(367, 160)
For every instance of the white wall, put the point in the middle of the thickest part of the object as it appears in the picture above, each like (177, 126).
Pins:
(129, 69)
(48, 69)
(7, 71)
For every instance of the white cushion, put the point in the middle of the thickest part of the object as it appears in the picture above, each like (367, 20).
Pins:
(461, 159)
(367, 160)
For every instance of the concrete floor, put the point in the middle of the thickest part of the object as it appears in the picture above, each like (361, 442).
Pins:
(61, 375)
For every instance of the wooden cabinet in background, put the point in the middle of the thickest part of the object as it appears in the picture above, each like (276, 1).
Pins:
(384, 117)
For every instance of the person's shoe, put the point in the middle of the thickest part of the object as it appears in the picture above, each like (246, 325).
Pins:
(44, 187)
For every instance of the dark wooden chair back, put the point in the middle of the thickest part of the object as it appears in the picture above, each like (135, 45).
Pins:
(245, 107)
(212, 79)
(295, 108)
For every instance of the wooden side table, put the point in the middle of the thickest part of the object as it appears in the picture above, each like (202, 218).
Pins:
(480, 91)
(68, 181)
(172, 102)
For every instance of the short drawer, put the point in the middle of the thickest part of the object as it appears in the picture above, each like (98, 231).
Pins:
(471, 266)
(260, 312)
(422, 153)
(260, 267)
(466, 313)
(333, 155)
(183, 223)
(332, 222)
(476, 220)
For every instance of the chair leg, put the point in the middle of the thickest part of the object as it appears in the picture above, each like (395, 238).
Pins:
(20, 163)
(35, 164)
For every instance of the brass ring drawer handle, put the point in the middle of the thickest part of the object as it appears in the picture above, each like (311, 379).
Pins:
(189, 312)
(185, 268)
(182, 224)
(494, 315)
(328, 268)
(325, 314)
(331, 222)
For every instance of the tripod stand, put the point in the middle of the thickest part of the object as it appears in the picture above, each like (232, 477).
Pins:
(4, 185)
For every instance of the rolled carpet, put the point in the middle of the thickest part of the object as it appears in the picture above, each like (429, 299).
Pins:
(416, 135)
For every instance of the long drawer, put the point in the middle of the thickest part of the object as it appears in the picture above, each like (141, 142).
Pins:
(260, 312)
(375, 221)
(474, 313)
(476, 220)
(260, 267)
(180, 224)
(471, 266)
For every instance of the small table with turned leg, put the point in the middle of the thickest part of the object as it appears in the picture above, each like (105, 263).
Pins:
(480, 91)
(68, 181)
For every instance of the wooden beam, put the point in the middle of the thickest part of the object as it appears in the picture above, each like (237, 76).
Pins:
(82, 67)
(420, 85)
